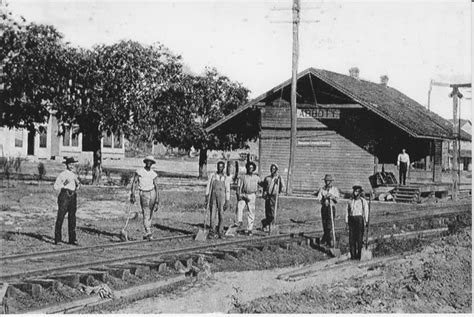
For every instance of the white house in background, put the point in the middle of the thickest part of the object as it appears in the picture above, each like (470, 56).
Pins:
(46, 144)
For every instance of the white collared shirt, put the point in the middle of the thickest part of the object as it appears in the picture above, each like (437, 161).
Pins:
(73, 181)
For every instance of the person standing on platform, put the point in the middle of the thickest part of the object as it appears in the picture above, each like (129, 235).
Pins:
(272, 185)
(403, 163)
(218, 195)
(328, 196)
(67, 184)
(246, 195)
(356, 217)
(147, 181)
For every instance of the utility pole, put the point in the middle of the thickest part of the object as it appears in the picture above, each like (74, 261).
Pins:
(455, 94)
(293, 118)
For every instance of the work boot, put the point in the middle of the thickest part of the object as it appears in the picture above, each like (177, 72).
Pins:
(148, 237)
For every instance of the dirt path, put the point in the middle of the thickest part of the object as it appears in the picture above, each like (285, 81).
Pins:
(226, 290)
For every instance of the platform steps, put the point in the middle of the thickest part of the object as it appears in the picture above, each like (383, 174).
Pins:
(406, 194)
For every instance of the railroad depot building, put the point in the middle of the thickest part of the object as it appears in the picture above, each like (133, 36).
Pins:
(346, 126)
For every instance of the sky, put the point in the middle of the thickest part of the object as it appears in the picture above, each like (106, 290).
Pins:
(251, 41)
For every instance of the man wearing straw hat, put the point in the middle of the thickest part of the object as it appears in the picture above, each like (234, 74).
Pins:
(272, 186)
(67, 183)
(328, 196)
(356, 217)
(146, 179)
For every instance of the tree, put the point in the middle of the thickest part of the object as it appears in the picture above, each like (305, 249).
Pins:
(186, 109)
(31, 57)
(112, 88)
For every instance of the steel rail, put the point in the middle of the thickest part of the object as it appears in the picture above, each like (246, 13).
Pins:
(176, 251)
(212, 245)
(43, 254)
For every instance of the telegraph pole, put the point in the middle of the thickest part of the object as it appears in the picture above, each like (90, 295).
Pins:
(294, 70)
(455, 94)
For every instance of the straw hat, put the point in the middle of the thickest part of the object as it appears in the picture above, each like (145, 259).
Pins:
(149, 158)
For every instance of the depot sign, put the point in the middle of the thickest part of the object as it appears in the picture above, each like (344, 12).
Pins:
(319, 113)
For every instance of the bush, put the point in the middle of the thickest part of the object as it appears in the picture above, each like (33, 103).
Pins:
(83, 169)
(125, 178)
(41, 171)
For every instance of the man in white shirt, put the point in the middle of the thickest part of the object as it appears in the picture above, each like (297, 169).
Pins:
(218, 195)
(356, 217)
(147, 181)
(328, 196)
(67, 184)
(403, 163)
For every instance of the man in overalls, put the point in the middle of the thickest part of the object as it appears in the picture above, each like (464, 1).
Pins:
(218, 195)
(328, 196)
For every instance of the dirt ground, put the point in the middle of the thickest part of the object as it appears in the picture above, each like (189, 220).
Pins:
(436, 279)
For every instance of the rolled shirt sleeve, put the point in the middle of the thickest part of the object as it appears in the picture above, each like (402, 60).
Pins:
(58, 184)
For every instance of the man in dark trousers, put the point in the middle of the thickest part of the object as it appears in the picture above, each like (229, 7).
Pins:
(328, 196)
(356, 217)
(403, 164)
(218, 195)
(67, 184)
(272, 186)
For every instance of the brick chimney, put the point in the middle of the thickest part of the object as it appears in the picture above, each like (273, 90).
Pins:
(354, 72)
(384, 80)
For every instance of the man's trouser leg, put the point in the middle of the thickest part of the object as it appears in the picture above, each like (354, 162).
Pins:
(212, 203)
(147, 200)
(324, 219)
(269, 210)
(240, 210)
(403, 173)
(356, 234)
(251, 214)
(63, 203)
(71, 217)
(360, 235)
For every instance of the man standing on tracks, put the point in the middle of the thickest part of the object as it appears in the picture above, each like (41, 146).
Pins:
(403, 163)
(272, 185)
(67, 183)
(356, 217)
(218, 196)
(147, 181)
(328, 196)
(246, 195)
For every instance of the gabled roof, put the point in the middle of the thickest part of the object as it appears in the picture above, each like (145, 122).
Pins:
(387, 102)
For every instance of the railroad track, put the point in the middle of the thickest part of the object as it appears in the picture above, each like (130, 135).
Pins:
(86, 257)
(412, 213)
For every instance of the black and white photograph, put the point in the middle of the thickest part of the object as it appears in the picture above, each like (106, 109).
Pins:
(236, 157)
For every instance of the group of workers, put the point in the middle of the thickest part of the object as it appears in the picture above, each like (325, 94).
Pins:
(217, 197)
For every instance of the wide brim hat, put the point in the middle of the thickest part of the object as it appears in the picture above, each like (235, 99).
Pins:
(276, 166)
(357, 187)
(149, 158)
(328, 177)
(251, 163)
(69, 160)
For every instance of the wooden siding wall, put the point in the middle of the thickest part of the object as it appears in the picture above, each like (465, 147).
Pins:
(348, 163)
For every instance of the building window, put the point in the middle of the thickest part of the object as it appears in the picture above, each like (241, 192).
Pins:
(75, 136)
(18, 138)
(67, 136)
(107, 140)
(43, 134)
(118, 141)
(71, 136)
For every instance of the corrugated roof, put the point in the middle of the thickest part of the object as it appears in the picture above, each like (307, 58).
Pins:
(387, 102)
